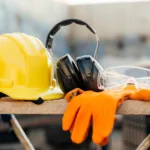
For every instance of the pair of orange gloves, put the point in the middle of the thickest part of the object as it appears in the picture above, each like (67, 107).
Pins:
(96, 108)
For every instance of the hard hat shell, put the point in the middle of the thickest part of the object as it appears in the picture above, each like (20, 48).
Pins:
(26, 68)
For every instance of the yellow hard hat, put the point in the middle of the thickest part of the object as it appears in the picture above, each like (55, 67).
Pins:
(26, 69)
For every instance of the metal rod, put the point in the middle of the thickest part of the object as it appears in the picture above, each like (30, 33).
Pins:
(145, 144)
(20, 133)
(97, 47)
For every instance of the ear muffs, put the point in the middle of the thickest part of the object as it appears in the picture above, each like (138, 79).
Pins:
(80, 74)
(67, 73)
(89, 70)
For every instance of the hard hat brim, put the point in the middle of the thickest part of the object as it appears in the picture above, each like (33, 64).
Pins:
(52, 93)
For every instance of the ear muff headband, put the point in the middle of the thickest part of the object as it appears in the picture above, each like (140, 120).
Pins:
(56, 28)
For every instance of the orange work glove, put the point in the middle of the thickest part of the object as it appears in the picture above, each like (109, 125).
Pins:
(98, 107)
(142, 94)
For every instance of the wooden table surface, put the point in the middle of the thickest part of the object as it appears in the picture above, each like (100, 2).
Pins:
(10, 106)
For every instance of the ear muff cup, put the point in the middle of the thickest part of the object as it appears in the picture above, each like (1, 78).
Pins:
(89, 70)
(68, 74)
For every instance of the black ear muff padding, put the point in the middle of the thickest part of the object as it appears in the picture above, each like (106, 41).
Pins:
(68, 75)
(90, 71)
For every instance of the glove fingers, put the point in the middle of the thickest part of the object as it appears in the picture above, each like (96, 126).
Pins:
(81, 125)
(71, 129)
(142, 94)
(103, 124)
(70, 113)
(96, 136)
(104, 142)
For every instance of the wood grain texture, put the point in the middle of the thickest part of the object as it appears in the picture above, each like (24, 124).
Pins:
(10, 106)
(132, 107)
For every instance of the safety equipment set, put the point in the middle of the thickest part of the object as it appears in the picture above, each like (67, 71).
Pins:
(93, 93)
(81, 73)
(27, 71)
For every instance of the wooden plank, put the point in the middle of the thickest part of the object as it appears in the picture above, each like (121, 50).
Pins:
(10, 106)
(132, 107)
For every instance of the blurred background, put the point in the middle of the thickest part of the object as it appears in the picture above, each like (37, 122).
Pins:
(124, 31)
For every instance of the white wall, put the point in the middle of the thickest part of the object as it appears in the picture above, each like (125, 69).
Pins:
(111, 20)
(31, 16)
(47, 11)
